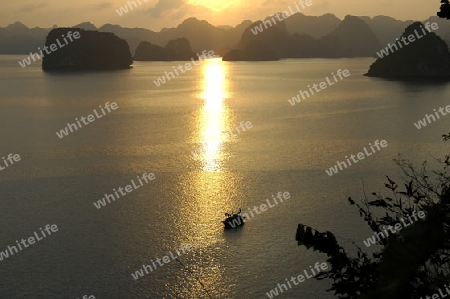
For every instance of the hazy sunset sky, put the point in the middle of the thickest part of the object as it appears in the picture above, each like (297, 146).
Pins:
(156, 14)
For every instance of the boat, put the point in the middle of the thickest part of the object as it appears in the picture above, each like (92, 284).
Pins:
(233, 220)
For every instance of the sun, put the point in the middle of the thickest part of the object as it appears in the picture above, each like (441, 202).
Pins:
(216, 5)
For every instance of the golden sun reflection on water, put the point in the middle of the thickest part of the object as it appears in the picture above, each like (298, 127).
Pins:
(209, 191)
(214, 115)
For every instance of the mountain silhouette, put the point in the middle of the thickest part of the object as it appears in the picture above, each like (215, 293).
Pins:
(176, 50)
(304, 36)
(426, 57)
(352, 38)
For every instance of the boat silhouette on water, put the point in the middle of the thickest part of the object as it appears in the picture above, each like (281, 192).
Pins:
(233, 220)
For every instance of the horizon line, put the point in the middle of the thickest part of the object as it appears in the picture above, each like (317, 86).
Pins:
(200, 20)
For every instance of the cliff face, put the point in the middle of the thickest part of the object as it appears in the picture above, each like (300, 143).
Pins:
(202, 35)
(386, 29)
(181, 49)
(275, 37)
(133, 36)
(352, 38)
(148, 52)
(176, 50)
(315, 26)
(19, 39)
(356, 39)
(92, 50)
(426, 57)
(254, 51)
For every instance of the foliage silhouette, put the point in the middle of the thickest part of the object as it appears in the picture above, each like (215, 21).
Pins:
(412, 263)
(444, 11)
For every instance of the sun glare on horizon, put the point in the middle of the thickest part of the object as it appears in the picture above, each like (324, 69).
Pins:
(216, 5)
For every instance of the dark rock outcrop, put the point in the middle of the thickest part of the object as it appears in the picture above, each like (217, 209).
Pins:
(93, 50)
(176, 50)
(149, 52)
(426, 57)
(254, 51)
(181, 49)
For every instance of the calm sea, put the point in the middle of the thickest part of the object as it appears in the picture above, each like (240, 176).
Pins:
(180, 132)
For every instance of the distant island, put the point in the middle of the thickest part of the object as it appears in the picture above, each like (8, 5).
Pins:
(93, 50)
(254, 51)
(176, 50)
(351, 38)
(417, 54)
(301, 36)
